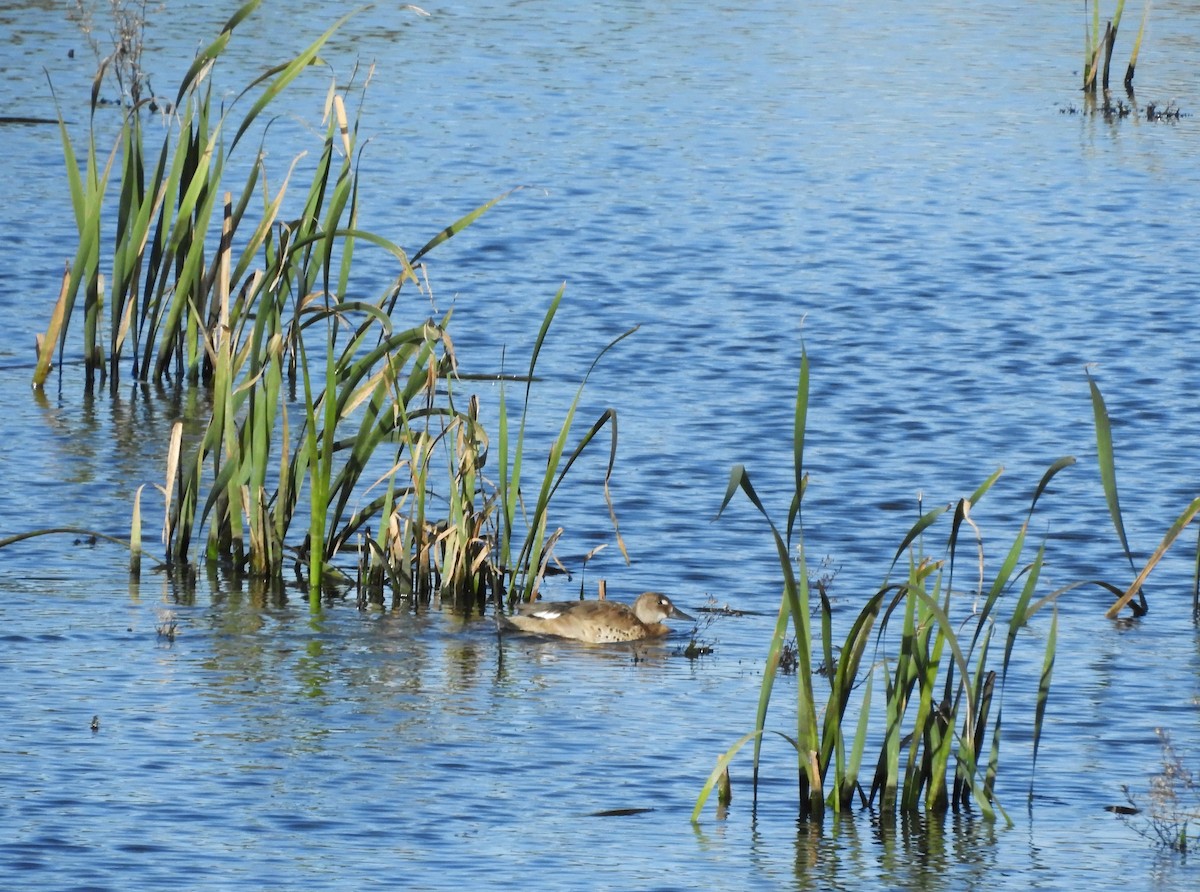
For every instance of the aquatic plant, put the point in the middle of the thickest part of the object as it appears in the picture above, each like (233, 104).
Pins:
(1098, 47)
(326, 422)
(1171, 815)
(1105, 457)
(926, 639)
(119, 58)
(941, 691)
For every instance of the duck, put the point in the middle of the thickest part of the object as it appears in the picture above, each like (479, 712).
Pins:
(598, 622)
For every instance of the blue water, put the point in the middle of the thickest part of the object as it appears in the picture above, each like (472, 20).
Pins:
(896, 190)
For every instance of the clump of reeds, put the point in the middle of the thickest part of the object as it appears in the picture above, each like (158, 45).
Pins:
(939, 649)
(330, 427)
(941, 694)
(1098, 47)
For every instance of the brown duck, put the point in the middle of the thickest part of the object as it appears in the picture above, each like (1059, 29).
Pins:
(598, 622)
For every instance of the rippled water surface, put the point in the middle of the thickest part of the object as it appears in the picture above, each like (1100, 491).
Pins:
(900, 190)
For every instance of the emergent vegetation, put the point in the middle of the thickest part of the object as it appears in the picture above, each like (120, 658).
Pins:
(1099, 47)
(331, 428)
(928, 640)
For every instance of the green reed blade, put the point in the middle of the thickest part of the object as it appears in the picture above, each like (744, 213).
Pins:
(460, 224)
(509, 487)
(1043, 693)
(135, 535)
(378, 424)
(287, 73)
(159, 268)
(270, 214)
(849, 782)
(924, 669)
(321, 473)
(347, 243)
(946, 633)
(977, 496)
(723, 765)
(843, 674)
(926, 520)
(795, 603)
(1065, 462)
(531, 556)
(608, 418)
(770, 673)
(87, 194)
(1107, 463)
(186, 245)
(984, 686)
(799, 426)
(502, 486)
(142, 199)
(962, 510)
(213, 50)
(1196, 582)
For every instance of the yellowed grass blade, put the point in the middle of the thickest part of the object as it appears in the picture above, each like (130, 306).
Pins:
(49, 341)
(1172, 534)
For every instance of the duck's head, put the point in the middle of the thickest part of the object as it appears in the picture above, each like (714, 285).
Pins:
(653, 607)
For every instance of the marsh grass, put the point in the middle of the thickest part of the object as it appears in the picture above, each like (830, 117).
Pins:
(1098, 47)
(937, 649)
(337, 447)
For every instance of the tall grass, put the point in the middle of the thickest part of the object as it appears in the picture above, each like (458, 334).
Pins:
(938, 649)
(331, 429)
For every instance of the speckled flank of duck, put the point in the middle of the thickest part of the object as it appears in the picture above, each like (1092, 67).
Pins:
(598, 622)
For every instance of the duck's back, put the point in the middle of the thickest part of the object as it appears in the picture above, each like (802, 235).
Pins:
(596, 622)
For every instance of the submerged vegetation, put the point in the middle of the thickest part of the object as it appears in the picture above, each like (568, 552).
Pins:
(332, 428)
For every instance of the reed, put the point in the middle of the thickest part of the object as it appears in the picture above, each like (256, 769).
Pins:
(1106, 460)
(1098, 47)
(1137, 47)
(924, 640)
(330, 429)
(533, 559)
(927, 642)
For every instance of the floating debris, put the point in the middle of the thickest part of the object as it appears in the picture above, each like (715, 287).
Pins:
(1119, 109)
